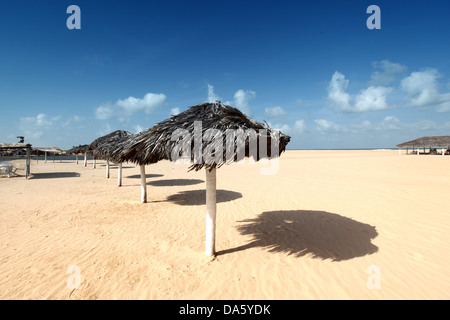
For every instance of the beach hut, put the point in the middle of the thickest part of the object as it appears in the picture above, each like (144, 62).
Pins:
(207, 136)
(103, 147)
(20, 146)
(427, 142)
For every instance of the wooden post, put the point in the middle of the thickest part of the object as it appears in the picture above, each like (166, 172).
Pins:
(107, 169)
(93, 164)
(45, 158)
(210, 242)
(119, 175)
(85, 159)
(27, 170)
(76, 157)
(143, 185)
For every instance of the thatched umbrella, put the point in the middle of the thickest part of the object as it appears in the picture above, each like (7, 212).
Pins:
(105, 150)
(51, 150)
(103, 147)
(198, 136)
(435, 141)
(81, 149)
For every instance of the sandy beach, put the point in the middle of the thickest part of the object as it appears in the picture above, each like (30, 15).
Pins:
(328, 225)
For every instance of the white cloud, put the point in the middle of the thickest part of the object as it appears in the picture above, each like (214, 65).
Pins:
(284, 128)
(35, 127)
(105, 112)
(421, 88)
(274, 112)
(336, 91)
(389, 72)
(174, 111)
(371, 98)
(300, 126)
(390, 123)
(34, 134)
(138, 128)
(148, 103)
(326, 126)
(123, 109)
(364, 126)
(241, 99)
(212, 97)
(41, 120)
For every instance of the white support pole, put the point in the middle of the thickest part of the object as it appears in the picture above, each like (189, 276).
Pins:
(399, 151)
(442, 150)
(418, 150)
(107, 169)
(143, 185)
(210, 242)
(119, 175)
(85, 159)
(28, 163)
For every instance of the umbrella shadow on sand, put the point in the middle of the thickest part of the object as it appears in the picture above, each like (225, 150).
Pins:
(174, 182)
(147, 176)
(318, 234)
(198, 197)
(51, 175)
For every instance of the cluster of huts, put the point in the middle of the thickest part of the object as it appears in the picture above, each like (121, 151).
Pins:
(25, 149)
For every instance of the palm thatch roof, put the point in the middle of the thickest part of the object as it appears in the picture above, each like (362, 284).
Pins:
(436, 141)
(49, 149)
(14, 145)
(78, 150)
(156, 143)
(102, 147)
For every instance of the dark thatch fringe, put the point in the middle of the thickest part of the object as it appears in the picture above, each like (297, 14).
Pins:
(155, 144)
(103, 147)
(81, 149)
(437, 141)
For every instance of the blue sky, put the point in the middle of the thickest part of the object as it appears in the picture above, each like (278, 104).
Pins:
(311, 69)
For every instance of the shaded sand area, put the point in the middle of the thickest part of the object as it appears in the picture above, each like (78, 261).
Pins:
(327, 225)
